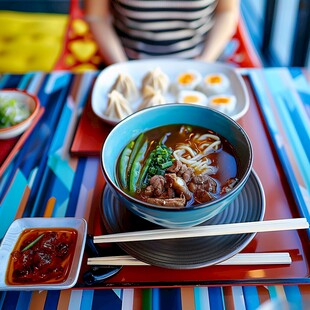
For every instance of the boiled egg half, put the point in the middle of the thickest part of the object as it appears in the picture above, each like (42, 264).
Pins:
(192, 97)
(223, 103)
(215, 84)
(188, 80)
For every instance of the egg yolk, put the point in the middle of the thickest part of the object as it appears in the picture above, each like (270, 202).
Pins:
(221, 100)
(215, 79)
(186, 78)
(190, 99)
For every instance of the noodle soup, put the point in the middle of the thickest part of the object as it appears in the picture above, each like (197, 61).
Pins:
(178, 166)
(171, 199)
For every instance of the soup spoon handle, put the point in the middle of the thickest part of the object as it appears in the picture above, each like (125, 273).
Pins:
(96, 275)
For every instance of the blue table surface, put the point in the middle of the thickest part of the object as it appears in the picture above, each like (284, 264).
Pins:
(43, 178)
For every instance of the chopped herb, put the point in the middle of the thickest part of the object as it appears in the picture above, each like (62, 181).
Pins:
(166, 165)
(161, 160)
(32, 243)
(12, 112)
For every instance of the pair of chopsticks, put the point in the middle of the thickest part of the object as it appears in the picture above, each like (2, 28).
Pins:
(204, 231)
(238, 259)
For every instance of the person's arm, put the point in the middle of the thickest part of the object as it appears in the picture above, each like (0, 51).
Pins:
(98, 16)
(225, 24)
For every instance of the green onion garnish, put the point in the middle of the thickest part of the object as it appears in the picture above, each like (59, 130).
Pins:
(32, 243)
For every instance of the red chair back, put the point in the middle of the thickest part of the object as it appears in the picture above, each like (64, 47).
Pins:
(80, 51)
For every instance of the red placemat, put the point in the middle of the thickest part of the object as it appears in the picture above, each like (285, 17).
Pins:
(90, 133)
(280, 204)
(9, 147)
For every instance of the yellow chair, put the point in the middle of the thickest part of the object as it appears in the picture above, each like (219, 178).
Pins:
(30, 41)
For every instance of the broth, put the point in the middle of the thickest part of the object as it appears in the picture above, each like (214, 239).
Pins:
(42, 256)
(207, 160)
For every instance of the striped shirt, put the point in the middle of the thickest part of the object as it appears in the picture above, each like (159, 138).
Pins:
(157, 28)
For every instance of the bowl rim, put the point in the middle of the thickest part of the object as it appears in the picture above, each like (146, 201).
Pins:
(33, 113)
(241, 182)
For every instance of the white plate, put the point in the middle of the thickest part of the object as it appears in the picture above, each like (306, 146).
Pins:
(12, 235)
(138, 68)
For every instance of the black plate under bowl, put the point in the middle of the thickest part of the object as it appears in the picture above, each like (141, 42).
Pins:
(187, 253)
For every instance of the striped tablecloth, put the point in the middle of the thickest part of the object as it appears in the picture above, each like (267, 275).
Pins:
(44, 180)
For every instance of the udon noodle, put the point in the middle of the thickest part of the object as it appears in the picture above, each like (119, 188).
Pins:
(194, 153)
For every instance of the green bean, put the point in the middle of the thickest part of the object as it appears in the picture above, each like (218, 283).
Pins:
(123, 164)
(136, 167)
(145, 168)
(137, 146)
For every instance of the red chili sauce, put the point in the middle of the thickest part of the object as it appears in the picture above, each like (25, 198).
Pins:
(47, 260)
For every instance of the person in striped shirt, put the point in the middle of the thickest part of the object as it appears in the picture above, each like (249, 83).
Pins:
(139, 29)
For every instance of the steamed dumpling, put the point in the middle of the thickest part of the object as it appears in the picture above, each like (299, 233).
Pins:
(157, 79)
(126, 86)
(118, 106)
(151, 98)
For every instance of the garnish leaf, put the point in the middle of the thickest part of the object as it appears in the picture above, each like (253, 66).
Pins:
(32, 243)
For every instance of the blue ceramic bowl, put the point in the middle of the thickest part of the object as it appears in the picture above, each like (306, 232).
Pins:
(194, 115)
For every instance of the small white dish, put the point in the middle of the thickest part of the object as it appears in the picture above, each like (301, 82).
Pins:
(12, 235)
(137, 69)
(30, 101)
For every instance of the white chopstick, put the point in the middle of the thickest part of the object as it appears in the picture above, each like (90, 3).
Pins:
(238, 259)
(203, 231)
